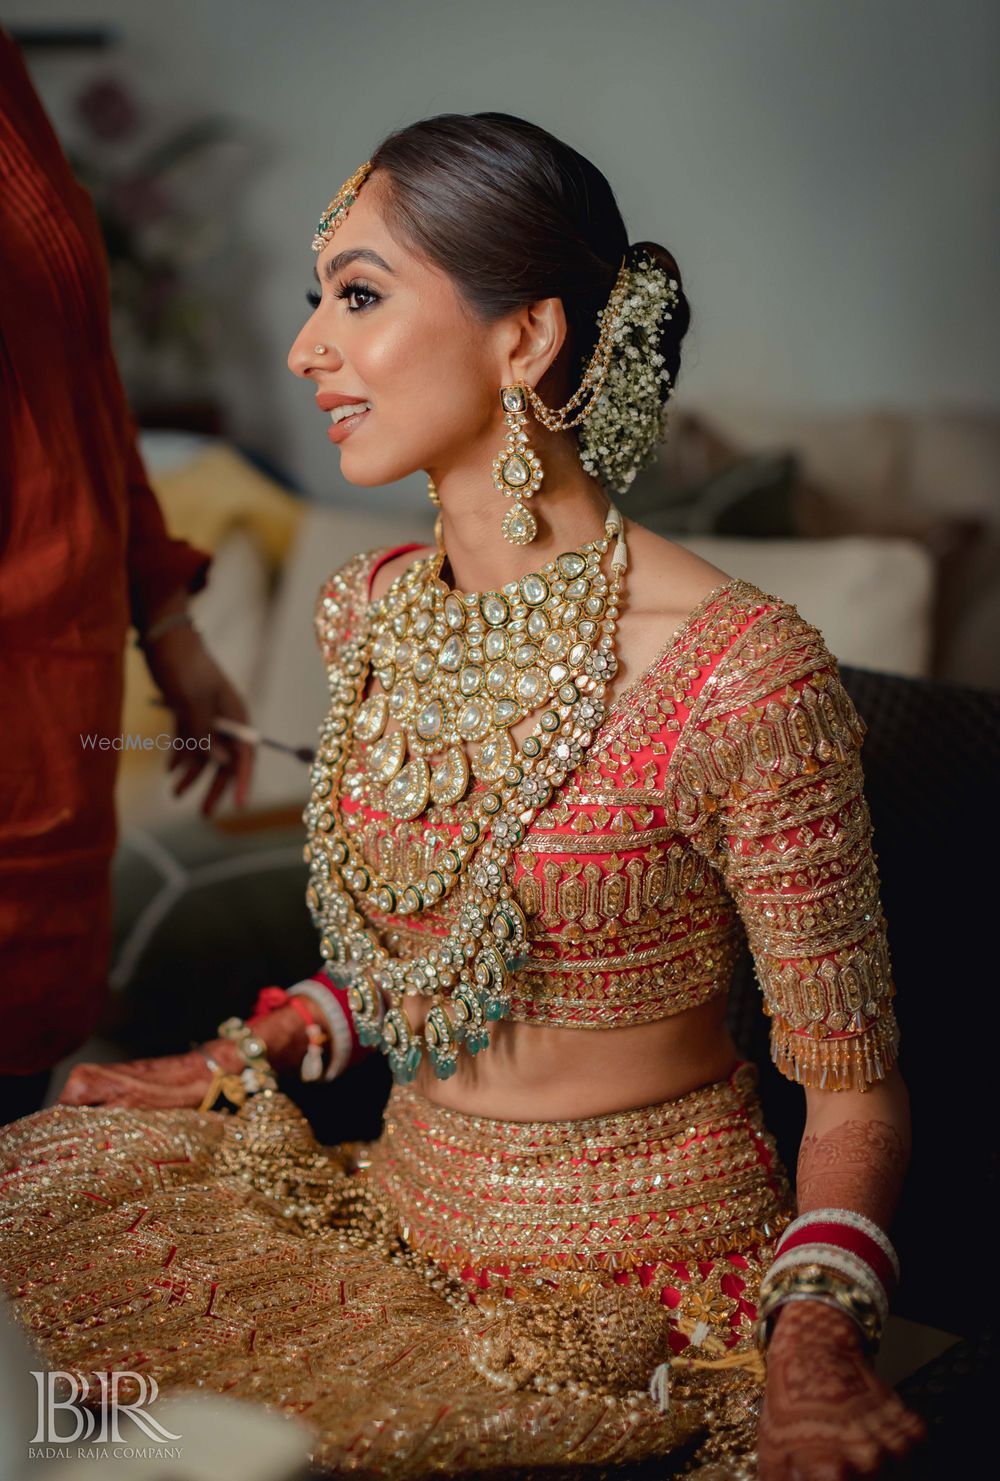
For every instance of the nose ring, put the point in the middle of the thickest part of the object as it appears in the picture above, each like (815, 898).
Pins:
(319, 349)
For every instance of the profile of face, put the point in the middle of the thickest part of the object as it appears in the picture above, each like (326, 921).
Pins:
(400, 338)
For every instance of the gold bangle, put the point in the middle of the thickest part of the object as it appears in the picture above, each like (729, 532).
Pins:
(827, 1288)
(258, 1074)
(855, 1305)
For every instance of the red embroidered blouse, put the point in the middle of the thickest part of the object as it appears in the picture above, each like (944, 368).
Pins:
(723, 793)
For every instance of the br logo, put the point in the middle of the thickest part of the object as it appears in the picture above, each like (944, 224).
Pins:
(77, 1389)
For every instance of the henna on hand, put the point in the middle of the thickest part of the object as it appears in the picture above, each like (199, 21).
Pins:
(858, 1165)
(826, 1412)
(164, 1083)
(172, 1081)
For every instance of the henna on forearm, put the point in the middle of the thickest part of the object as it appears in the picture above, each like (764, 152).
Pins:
(825, 1410)
(855, 1149)
(858, 1165)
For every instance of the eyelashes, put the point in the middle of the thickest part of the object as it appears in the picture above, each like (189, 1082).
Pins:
(354, 289)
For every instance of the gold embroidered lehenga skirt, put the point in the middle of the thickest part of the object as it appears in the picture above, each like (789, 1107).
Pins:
(463, 1294)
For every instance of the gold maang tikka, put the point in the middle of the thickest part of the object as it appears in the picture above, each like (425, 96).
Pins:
(335, 212)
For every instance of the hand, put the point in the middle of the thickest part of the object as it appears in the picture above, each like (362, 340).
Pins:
(197, 691)
(826, 1415)
(164, 1083)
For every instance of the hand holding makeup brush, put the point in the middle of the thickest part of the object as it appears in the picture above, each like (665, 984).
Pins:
(253, 737)
(195, 688)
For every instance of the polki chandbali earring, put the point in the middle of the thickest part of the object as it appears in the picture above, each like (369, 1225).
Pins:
(517, 472)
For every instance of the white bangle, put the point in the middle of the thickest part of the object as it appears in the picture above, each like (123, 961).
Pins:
(336, 1021)
(157, 630)
(853, 1220)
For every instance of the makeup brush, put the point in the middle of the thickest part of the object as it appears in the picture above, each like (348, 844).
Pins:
(252, 737)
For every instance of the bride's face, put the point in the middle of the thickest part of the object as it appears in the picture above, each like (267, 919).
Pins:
(398, 337)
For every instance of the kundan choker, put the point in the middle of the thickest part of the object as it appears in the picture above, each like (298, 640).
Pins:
(454, 669)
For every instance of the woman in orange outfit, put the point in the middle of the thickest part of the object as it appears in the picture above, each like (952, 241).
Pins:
(84, 553)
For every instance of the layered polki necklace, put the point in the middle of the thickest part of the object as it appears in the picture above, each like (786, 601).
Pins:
(456, 669)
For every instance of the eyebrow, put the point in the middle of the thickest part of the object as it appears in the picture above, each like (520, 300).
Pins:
(335, 265)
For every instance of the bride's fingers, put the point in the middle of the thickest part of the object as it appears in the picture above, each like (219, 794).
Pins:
(136, 1097)
(94, 1085)
(89, 1091)
(78, 1088)
(169, 1081)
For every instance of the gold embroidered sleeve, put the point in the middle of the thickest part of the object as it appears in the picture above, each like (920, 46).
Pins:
(339, 599)
(769, 778)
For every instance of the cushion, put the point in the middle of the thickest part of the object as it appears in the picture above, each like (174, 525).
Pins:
(872, 599)
(857, 459)
(929, 476)
(202, 919)
(754, 497)
(205, 495)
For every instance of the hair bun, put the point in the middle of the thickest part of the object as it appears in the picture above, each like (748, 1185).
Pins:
(657, 254)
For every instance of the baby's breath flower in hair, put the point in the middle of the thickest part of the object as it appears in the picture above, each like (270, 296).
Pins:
(628, 419)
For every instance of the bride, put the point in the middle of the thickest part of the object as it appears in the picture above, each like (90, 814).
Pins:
(566, 764)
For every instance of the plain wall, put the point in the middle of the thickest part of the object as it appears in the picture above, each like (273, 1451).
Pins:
(824, 170)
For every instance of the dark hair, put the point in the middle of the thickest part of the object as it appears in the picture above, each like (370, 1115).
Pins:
(513, 214)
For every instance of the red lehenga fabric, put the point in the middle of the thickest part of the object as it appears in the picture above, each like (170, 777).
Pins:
(467, 1294)
(459, 1296)
(83, 551)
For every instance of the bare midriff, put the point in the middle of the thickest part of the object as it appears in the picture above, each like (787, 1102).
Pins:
(534, 1073)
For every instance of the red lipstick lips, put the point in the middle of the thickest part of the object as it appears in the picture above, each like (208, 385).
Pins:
(327, 400)
(343, 426)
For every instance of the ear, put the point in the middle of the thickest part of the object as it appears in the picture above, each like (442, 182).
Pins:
(536, 335)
